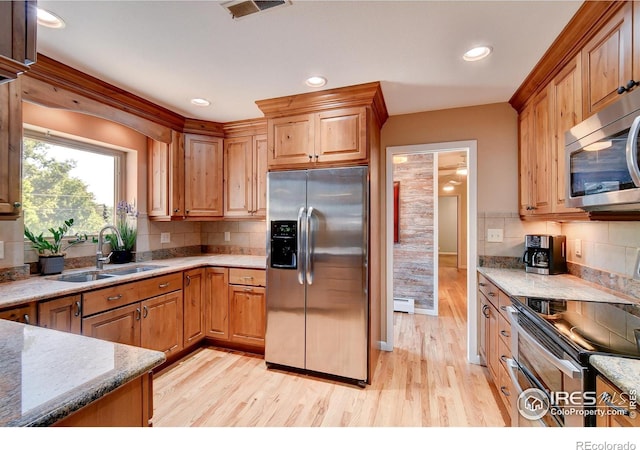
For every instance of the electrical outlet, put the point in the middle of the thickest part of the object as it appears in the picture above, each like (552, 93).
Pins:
(227, 236)
(577, 248)
(1, 249)
(495, 235)
(165, 238)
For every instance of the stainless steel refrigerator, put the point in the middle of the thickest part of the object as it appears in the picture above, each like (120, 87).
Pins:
(317, 276)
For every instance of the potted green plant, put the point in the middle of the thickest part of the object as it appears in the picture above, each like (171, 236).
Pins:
(50, 250)
(126, 223)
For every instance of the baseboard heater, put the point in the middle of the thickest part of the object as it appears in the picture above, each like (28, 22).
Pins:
(404, 305)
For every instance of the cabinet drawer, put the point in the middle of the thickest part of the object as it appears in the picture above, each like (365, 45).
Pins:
(503, 303)
(24, 314)
(507, 391)
(504, 351)
(504, 331)
(488, 289)
(159, 285)
(249, 277)
(124, 294)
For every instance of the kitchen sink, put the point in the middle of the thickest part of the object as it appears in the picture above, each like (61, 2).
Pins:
(81, 277)
(136, 269)
(93, 275)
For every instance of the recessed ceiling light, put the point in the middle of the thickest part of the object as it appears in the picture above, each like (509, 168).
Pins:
(49, 19)
(462, 171)
(200, 102)
(316, 81)
(477, 53)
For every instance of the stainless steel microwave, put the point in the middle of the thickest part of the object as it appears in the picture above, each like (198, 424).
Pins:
(601, 158)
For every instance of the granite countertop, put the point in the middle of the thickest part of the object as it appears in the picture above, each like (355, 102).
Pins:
(15, 293)
(623, 372)
(46, 375)
(520, 283)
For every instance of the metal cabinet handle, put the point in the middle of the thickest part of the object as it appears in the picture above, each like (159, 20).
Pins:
(248, 289)
(492, 294)
(505, 333)
(115, 297)
(137, 313)
(317, 156)
(17, 204)
(27, 320)
(505, 391)
(310, 157)
(482, 284)
(176, 210)
(188, 280)
(504, 359)
(163, 285)
(145, 312)
(503, 308)
(484, 311)
(78, 310)
(606, 398)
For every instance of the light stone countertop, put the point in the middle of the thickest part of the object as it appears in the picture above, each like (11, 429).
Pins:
(623, 372)
(15, 293)
(520, 283)
(46, 375)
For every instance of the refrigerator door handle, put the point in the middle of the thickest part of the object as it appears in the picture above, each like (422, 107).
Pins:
(299, 248)
(308, 243)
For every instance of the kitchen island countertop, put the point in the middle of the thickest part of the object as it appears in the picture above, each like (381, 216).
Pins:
(37, 288)
(46, 375)
(623, 372)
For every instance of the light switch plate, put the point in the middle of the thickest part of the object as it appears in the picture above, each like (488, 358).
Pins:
(577, 248)
(227, 236)
(165, 238)
(1, 249)
(495, 235)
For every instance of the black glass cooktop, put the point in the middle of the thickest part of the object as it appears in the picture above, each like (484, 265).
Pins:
(587, 326)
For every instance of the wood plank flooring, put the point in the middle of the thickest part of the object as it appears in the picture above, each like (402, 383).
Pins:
(425, 381)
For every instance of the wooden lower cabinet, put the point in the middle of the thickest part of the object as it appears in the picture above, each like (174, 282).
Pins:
(194, 284)
(26, 314)
(155, 324)
(247, 306)
(620, 410)
(131, 405)
(62, 314)
(217, 303)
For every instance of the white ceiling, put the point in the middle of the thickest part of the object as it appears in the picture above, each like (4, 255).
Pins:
(171, 51)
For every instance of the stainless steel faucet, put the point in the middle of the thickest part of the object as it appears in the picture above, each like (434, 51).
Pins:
(100, 259)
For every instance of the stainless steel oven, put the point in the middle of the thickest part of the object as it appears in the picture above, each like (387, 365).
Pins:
(540, 370)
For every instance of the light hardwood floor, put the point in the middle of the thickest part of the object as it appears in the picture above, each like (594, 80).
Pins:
(425, 381)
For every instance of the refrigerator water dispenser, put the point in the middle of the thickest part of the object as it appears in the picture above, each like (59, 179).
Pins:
(284, 244)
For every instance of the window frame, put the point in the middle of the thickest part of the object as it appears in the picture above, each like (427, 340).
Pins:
(120, 157)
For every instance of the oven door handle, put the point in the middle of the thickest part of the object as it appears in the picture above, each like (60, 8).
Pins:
(512, 366)
(567, 367)
(632, 151)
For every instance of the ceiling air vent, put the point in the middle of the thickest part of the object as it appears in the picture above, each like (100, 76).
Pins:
(242, 8)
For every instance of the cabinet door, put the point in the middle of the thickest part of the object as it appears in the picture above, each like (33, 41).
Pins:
(607, 61)
(203, 173)
(491, 339)
(615, 405)
(17, 37)
(542, 138)
(341, 135)
(238, 176)
(63, 314)
(527, 160)
(158, 179)
(10, 150)
(291, 141)
(217, 303)
(194, 285)
(247, 312)
(121, 325)
(482, 328)
(260, 170)
(162, 326)
(176, 176)
(23, 314)
(567, 96)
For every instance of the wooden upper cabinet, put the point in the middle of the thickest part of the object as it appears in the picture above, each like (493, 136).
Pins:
(18, 31)
(176, 176)
(607, 61)
(245, 167)
(291, 140)
(526, 160)
(10, 150)
(341, 135)
(542, 141)
(203, 174)
(567, 96)
(158, 179)
(63, 314)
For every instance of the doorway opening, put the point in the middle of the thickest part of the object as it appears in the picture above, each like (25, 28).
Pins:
(422, 236)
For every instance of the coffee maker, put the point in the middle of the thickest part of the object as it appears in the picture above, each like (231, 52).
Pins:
(545, 254)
